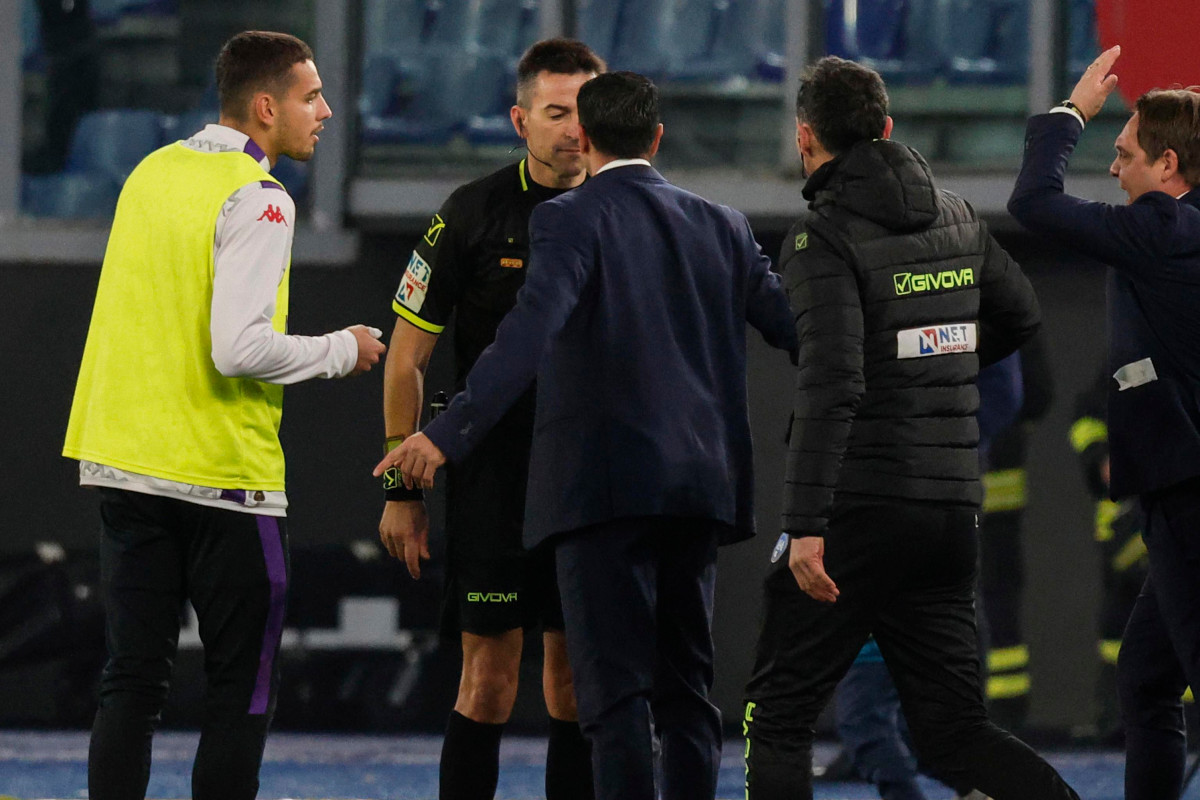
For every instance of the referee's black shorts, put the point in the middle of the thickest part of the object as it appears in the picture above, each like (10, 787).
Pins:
(492, 583)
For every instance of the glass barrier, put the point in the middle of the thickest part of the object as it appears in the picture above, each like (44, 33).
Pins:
(108, 81)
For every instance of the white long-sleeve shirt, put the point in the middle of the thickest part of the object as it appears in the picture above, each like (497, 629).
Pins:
(251, 247)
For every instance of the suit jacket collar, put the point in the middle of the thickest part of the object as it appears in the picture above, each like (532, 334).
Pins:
(631, 172)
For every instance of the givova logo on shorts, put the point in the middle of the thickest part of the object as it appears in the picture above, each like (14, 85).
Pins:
(491, 597)
(914, 283)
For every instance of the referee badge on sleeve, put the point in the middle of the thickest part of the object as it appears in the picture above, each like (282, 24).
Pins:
(414, 284)
(781, 547)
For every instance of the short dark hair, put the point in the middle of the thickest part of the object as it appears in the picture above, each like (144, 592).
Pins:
(559, 56)
(1169, 119)
(256, 61)
(844, 102)
(619, 112)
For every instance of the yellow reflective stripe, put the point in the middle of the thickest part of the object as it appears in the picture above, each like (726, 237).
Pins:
(415, 320)
(1188, 697)
(1006, 659)
(1109, 650)
(1004, 490)
(1086, 432)
(1000, 687)
(1107, 512)
(1133, 552)
(521, 171)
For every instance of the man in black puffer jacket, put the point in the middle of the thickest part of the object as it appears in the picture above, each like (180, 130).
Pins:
(900, 295)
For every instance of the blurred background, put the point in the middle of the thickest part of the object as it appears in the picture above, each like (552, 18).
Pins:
(420, 91)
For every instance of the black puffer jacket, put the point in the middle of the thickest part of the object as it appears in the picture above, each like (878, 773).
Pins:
(900, 294)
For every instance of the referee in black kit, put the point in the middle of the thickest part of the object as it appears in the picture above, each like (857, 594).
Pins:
(899, 295)
(472, 259)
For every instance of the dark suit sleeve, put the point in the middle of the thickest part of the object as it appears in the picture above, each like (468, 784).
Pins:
(829, 381)
(1131, 237)
(558, 270)
(766, 302)
(1008, 308)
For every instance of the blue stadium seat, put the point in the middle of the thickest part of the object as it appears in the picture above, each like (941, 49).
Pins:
(109, 12)
(1083, 39)
(986, 41)
(182, 126)
(508, 27)
(31, 36)
(628, 34)
(394, 27)
(113, 142)
(294, 177)
(430, 101)
(69, 195)
(717, 39)
(896, 37)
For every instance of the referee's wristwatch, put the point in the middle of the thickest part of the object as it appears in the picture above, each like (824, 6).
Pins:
(393, 481)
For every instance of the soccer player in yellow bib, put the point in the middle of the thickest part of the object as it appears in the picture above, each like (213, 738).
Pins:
(176, 419)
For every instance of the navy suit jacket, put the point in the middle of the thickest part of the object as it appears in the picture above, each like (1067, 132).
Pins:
(633, 320)
(1153, 248)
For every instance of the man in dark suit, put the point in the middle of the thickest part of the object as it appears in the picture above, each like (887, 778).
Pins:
(633, 318)
(1153, 248)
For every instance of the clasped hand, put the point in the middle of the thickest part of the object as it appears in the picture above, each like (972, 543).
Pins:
(417, 458)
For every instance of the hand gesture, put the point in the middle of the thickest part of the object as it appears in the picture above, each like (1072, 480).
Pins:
(369, 347)
(404, 531)
(806, 559)
(418, 460)
(1096, 84)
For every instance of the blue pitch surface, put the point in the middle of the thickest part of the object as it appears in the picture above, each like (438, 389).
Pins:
(305, 766)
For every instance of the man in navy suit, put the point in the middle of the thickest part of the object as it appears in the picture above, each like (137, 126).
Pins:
(1153, 248)
(633, 319)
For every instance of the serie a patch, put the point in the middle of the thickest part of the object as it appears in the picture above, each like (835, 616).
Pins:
(936, 340)
(415, 283)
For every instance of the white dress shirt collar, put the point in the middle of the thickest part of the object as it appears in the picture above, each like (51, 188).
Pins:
(623, 162)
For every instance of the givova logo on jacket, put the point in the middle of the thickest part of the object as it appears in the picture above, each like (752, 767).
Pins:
(913, 283)
(936, 340)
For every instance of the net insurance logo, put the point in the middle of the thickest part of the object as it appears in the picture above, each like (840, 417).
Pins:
(946, 339)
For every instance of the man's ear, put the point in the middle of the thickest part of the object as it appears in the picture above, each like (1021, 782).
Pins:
(658, 133)
(887, 129)
(517, 115)
(1170, 161)
(585, 144)
(262, 109)
(805, 138)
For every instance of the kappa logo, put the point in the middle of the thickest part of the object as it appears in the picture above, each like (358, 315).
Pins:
(414, 284)
(273, 214)
(914, 283)
(491, 597)
(435, 230)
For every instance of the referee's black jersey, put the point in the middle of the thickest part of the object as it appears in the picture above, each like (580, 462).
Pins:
(473, 259)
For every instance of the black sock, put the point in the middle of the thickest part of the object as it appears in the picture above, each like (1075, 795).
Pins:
(470, 763)
(568, 763)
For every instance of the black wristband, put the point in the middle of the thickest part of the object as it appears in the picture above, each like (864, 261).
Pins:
(393, 483)
(1076, 109)
(400, 493)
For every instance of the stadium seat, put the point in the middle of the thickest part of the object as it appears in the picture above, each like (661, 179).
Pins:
(113, 142)
(896, 37)
(182, 126)
(393, 27)
(430, 101)
(294, 177)
(986, 41)
(31, 36)
(68, 195)
(628, 34)
(714, 39)
(1083, 40)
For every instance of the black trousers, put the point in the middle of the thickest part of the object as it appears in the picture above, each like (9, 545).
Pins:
(155, 553)
(637, 600)
(907, 573)
(1160, 652)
